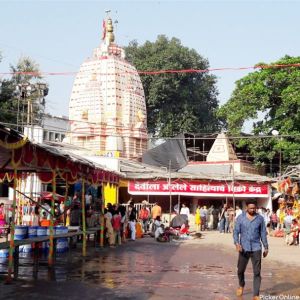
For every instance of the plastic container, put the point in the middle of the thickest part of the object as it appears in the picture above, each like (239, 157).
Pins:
(21, 232)
(4, 253)
(32, 231)
(48, 230)
(26, 248)
(62, 244)
(42, 231)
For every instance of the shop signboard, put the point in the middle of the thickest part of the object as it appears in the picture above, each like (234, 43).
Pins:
(199, 188)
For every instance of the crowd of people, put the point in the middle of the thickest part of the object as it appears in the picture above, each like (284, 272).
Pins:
(125, 222)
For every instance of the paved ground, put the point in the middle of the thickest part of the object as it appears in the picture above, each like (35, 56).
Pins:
(145, 269)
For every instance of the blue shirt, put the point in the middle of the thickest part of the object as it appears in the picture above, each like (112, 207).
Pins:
(250, 234)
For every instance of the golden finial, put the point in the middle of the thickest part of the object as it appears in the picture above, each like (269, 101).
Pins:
(110, 37)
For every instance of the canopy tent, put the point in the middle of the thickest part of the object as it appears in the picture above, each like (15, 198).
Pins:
(16, 151)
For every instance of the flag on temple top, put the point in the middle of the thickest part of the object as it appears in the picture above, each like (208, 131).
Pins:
(103, 30)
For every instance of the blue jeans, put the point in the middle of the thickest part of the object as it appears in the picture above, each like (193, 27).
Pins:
(222, 225)
(226, 225)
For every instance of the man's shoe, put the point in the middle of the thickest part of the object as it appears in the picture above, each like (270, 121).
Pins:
(256, 298)
(239, 291)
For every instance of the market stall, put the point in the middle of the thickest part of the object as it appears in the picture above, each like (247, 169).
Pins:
(20, 158)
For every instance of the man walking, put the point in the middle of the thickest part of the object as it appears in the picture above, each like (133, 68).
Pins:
(249, 233)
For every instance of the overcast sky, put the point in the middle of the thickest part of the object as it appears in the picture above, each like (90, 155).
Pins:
(59, 35)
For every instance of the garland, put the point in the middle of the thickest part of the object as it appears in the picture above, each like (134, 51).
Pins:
(12, 146)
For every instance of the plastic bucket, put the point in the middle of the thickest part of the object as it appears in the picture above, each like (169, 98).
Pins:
(61, 229)
(32, 231)
(48, 230)
(26, 248)
(42, 231)
(62, 245)
(21, 232)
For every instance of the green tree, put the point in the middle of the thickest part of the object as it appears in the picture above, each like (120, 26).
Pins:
(176, 102)
(14, 94)
(274, 93)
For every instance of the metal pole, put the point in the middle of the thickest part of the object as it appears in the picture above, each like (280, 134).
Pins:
(51, 240)
(194, 148)
(12, 231)
(83, 218)
(66, 198)
(233, 198)
(18, 111)
(280, 162)
(170, 190)
(102, 219)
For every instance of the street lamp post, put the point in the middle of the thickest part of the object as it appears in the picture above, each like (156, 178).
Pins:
(24, 92)
(276, 133)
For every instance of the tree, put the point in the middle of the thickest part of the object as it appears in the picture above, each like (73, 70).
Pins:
(14, 94)
(274, 93)
(176, 102)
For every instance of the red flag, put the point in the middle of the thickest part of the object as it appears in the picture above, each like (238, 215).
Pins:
(103, 30)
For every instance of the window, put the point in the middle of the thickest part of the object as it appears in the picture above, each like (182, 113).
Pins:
(45, 135)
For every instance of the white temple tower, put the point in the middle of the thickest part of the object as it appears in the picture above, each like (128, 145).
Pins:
(107, 109)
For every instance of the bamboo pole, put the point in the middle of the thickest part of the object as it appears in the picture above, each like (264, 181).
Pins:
(66, 198)
(102, 218)
(83, 218)
(12, 231)
(51, 246)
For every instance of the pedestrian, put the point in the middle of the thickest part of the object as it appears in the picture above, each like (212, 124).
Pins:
(185, 211)
(116, 225)
(210, 218)
(274, 220)
(108, 228)
(124, 222)
(75, 216)
(222, 219)
(132, 220)
(159, 228)
(2, 218)
(249, 233)
(144, 217)
(203, 216)
(198, 218)
(231, 213)
(295, 231)
(215, 214)
(156, 211)
(35, 221)
(280, 215)
(238, 211)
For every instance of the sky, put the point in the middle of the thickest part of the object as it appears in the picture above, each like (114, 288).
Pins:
(60, 35)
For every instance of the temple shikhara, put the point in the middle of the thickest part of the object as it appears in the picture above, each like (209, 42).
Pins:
(107, 108)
